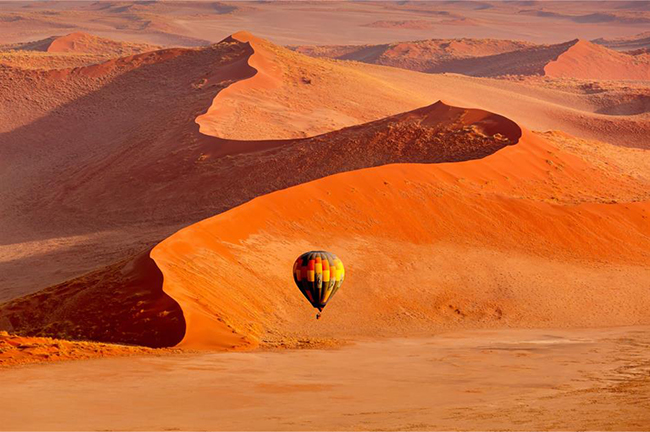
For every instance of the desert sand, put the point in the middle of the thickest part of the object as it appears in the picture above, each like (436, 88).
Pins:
(483, 173)
(496, 380)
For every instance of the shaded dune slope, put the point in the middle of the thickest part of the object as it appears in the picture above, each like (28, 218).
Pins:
(123, 302)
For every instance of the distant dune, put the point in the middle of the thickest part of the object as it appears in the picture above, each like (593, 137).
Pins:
(80, 42)
(422, 56)
(631, 43)
(590, 61)
(488, 58)
(72, 50)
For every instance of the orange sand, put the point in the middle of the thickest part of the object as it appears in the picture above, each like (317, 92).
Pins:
(523, 379)
(17, 350)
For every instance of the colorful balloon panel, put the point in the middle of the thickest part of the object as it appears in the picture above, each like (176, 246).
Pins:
(318, 275)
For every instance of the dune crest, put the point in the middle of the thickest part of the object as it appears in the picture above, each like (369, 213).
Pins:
(591, 61)
(80, 42)
(290, 96)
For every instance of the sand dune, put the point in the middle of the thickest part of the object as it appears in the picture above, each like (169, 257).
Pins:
(438, 133)
(587, 60)
(422, 56)
(573, 59)
(73, 50)
(468, 215)
(489, 215)
(83, 216)
(80, 42)
(291, 96)
(630, 43)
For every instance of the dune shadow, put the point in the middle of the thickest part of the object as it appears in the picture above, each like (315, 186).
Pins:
(122, 303)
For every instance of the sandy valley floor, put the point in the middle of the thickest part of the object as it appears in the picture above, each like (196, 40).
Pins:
(506, 380)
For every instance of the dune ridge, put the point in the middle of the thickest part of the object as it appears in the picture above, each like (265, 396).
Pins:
(423, 55)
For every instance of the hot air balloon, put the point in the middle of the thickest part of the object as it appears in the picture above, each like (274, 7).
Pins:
(319, 276)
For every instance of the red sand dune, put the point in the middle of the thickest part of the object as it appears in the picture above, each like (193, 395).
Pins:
(521, 214)
(438, 133)
(292, 97)
(72, 50)
(80, 42)
(587, 60)
(83, 214)
(514, 251)
(573, 59)
(69, 211)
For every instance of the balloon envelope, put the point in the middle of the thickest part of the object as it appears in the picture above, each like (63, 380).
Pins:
(319, 275)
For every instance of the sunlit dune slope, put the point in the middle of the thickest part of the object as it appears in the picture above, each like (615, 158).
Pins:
(587, 60)
(506, 230)
(294, 96)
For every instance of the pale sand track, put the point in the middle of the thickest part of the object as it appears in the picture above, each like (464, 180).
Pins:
(505, 380)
